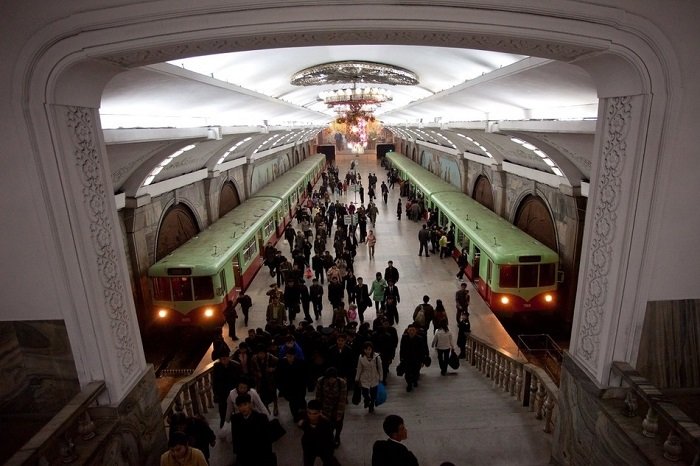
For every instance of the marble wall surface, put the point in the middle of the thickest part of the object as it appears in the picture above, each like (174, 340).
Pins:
(587, 434)
(670, 344)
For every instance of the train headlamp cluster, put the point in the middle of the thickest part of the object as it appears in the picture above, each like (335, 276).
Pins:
(162, 313)
(505, 300)
(209, 312)
(548, 298)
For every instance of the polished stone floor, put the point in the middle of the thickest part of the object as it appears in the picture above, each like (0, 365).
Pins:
(457, 418)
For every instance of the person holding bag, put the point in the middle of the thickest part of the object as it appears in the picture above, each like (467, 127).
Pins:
(442, 342)
(369, 374)
(362, 298)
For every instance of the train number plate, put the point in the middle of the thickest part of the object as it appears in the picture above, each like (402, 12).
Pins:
(186, 319)
(527, 305)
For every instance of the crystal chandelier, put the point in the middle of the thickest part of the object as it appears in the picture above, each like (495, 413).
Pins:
(358, 98)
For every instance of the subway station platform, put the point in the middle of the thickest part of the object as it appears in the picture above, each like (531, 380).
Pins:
(458, 418)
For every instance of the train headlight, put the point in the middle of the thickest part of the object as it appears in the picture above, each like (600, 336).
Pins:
(162, 313)
(505, 299)
(209, 312)
(548, 298)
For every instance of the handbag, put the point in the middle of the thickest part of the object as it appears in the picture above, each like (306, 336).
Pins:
(427, 361)
(453, 360)
(400, 369)
(356, 394)
(381, 395)
(276, 430)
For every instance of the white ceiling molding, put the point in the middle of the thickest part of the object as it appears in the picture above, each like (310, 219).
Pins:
(445, 149)
(171, 184)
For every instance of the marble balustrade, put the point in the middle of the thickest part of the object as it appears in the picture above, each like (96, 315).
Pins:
(683, 438)
(192, 395)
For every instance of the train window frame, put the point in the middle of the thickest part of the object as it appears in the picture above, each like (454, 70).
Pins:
(222, 281)
(181, 286)
(528, 275)
(269, 227)
(489, 267)
(554, 274)
(161, 283)
(512, 278)
(203, 288)
(249, 252)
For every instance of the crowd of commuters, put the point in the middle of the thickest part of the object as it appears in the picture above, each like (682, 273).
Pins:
(302, 359)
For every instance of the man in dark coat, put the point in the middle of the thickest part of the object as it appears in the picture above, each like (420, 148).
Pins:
(391, 273)
(390, 452)
(317, 440)
(362, 298)
(225, 374)
(250, 433)
(291, 378)
(316, 296)
(423, 238)
(391, 300)
(412, 352)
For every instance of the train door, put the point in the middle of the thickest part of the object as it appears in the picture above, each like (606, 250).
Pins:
(237, 276)
(475, 266)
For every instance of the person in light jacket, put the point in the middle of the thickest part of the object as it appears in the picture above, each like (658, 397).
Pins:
(369, 374)
(442, 342)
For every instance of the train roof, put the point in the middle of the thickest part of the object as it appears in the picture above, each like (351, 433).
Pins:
(207, 252)
(502, 241)
(286, 183)
(425, 180)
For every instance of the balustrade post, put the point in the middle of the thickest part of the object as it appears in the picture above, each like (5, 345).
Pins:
(208, 390)
(495, 371)
(548, 410)
(519, 382)
(67, 450)
(672, 447)
(533, 391)
(477, 357)
(187, 401)
(630, 409)
(539, 399)
(194, 397)
(201, 392)
(650, 424)
(502, 374)
(489, 363)
(86, 427)
(512, 377)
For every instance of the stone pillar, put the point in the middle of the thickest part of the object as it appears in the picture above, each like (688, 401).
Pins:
(602, 325)
(499, 185)
(102, 326)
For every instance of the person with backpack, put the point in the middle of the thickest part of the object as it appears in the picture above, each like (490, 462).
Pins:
(424, 314)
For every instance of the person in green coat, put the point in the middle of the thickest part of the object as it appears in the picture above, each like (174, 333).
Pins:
(377, 292)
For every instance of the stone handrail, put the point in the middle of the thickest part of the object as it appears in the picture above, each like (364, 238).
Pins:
(67, 436)
(682, 431)
(192, 395)
(512, 374)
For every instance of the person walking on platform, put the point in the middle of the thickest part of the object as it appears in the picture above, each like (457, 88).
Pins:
(462, 300)
(442, 342)
(413, 351)
(224, 374)
(391, 300)
(231, 315)
(385, 192)
(462, 262)
(361, 190)
(369, 374)
(372, 212)
(423, 238)
(377, 292)
(316, 295)
(399, 210)
(362, 298)
(371, 243)
(332, 394)
(390, 452)
(246, 303)
(391, 273)
(423, 314)
(250, 431)
(317, 439)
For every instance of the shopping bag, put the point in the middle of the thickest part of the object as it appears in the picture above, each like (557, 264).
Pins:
(453, 360)
(381, 394)
(357, 394)
(400, 369)
(427, 361)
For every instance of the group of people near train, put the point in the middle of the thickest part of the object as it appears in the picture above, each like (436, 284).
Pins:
(350, 355)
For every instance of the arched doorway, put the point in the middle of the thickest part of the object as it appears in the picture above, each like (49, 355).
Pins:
(533, 218)
(483, 194)
(228, 199)
(179, 225)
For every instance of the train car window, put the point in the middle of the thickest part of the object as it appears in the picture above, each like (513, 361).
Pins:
(222, 281)
(182, 289)
(547, 274)
(508, 276)
(528, 275)
(250, 251)
(203, 288)
(269, 228)
(161, 289)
